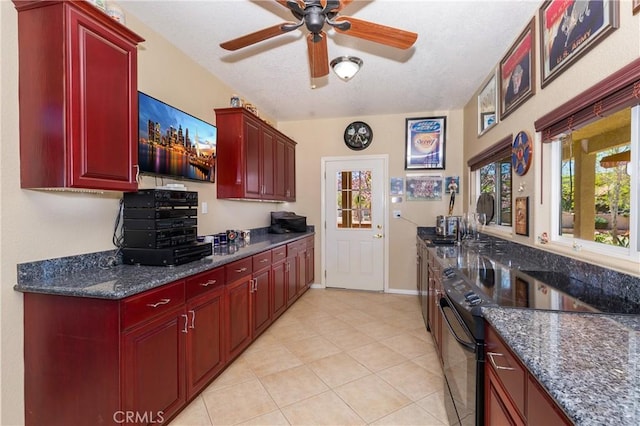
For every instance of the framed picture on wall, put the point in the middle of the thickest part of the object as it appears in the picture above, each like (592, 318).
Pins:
(425, 143)
(517, 76)
(569, 29)
(424, 188)
(522, 216)
(488, 105)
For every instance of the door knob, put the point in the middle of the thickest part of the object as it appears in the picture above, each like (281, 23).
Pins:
(379, 226)
(377, 236)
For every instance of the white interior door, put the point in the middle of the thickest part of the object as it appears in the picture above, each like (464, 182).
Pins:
(355, 244)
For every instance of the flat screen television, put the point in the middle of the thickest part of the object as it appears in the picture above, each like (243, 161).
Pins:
(173, 143)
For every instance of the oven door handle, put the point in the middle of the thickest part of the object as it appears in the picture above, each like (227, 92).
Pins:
(466, 345)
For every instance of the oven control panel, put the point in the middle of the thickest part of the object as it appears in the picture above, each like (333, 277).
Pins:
(461, 291)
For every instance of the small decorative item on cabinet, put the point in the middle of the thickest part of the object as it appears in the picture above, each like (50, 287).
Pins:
(116, 13)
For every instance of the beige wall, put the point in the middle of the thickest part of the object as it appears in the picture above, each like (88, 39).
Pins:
(324, 138)
(618, 49)
(38, 225)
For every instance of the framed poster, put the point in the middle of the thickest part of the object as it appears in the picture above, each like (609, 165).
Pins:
(488, 105)
(397, 186)
(517, 78)
(522, 216)
(425, 143)
(569, 29)
(424, 188)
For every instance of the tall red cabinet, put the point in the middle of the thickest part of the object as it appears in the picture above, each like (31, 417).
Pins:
(78, 97)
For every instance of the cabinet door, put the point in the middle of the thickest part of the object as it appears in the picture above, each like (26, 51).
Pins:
(102, 72)
(280, 168)
(205, 354)
(291, 271)
(290, 171)
(253, 140)
(267, 172)
(279, 282)
(301, 260)
(154, 367)
(310, 266)
(238, 316)
(260, 301)
(541, 409)
(498, 408)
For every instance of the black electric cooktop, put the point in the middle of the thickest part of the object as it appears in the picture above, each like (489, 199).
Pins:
(549, 290)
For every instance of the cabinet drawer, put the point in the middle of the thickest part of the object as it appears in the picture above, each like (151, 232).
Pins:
(204, 282)
(149, 304)
(278, 253)
(238, 269)
(309, 242)
(295, 247)
(261, 260)
(510, 372)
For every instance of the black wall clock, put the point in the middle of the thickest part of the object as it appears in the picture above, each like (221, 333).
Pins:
(358, 135)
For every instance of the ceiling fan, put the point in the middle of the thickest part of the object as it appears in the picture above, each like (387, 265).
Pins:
(314, 14)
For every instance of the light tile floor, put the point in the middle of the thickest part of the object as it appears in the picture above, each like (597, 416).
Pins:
(336, 357)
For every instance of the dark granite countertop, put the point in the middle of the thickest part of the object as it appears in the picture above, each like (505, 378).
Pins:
(589, 363)
(72, 277)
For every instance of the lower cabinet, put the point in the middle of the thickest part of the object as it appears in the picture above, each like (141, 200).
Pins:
(238, 307)
(261, 293)
(291, 273)
(139, 360)
(154, 366)
(434, 292)
(205, 337)
(279, 280)
(512, 395)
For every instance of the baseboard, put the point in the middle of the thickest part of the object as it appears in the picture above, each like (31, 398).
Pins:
(314, 285)
(400, 291)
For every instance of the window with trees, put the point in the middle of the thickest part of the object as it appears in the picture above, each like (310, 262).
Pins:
(594, 179)
(495, 179)
(595, 185)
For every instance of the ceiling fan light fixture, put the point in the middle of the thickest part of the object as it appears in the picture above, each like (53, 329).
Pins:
(346, 67)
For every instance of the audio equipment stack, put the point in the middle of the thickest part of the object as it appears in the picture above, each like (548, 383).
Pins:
(160, 228)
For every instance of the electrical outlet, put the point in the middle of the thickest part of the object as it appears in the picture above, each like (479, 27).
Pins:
(205, 208)
(396, 214)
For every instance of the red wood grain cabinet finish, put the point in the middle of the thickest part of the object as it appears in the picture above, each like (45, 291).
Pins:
(92, 361)
(77, 97)
(254, 160)
(512, 394)
(238, 307)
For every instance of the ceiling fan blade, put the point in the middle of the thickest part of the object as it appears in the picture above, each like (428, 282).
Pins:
(344, 3)
(318, 55)
(249, 39)
(377, 33)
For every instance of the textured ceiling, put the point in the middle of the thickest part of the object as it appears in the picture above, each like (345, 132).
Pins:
(459, 44)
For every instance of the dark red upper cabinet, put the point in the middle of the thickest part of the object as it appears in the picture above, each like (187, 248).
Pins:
(254, 160)
(78, 97)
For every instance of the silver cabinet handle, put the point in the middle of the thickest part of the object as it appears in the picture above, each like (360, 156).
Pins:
(193, 319)
(241, 270)
(264, 260)
(208, 283)
(161, 302)
(493, 362)
(186, 321)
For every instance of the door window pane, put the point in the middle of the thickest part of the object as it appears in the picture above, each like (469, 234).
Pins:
(354, 199)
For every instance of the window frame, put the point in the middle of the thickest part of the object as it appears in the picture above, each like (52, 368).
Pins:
(631, 253)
